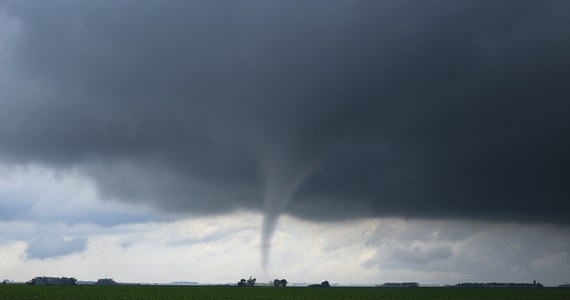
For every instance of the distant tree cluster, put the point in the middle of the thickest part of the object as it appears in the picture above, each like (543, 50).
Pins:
(106, 281)
(52, 281)
(250, 282)
(280, 283)
(324, 284)
(564, 285)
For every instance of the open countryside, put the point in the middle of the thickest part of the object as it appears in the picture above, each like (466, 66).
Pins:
(285, 149)
(20, 291)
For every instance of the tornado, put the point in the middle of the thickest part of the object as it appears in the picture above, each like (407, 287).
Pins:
(284, 173)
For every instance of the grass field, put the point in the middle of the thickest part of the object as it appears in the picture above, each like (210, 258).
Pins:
(14, 291)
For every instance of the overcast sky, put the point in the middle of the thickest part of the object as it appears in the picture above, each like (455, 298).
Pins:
(349, 141)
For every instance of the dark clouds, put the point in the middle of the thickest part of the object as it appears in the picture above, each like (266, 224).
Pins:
(438, 109)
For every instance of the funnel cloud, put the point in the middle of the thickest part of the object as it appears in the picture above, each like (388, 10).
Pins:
(322, 110)
(282, 179)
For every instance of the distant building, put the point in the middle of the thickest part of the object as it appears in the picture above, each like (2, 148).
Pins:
(324, 284)
(511, 285)
(400, 285)
(185, 283)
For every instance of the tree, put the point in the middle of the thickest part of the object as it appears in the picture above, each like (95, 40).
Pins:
(276, 282)
(283, 282)
(325, 284)
(250, 281)
(106, 281)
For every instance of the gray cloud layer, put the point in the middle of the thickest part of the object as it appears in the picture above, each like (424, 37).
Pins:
(54, 246)
(386, 108)
(472, 251)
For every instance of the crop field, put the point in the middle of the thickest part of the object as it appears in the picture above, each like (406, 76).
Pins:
(15, 291)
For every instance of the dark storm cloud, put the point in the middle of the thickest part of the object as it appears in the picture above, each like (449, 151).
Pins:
(370, 108)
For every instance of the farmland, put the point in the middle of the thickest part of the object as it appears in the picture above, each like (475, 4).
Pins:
(15, 291)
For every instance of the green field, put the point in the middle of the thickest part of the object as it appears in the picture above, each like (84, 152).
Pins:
(15, 291)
